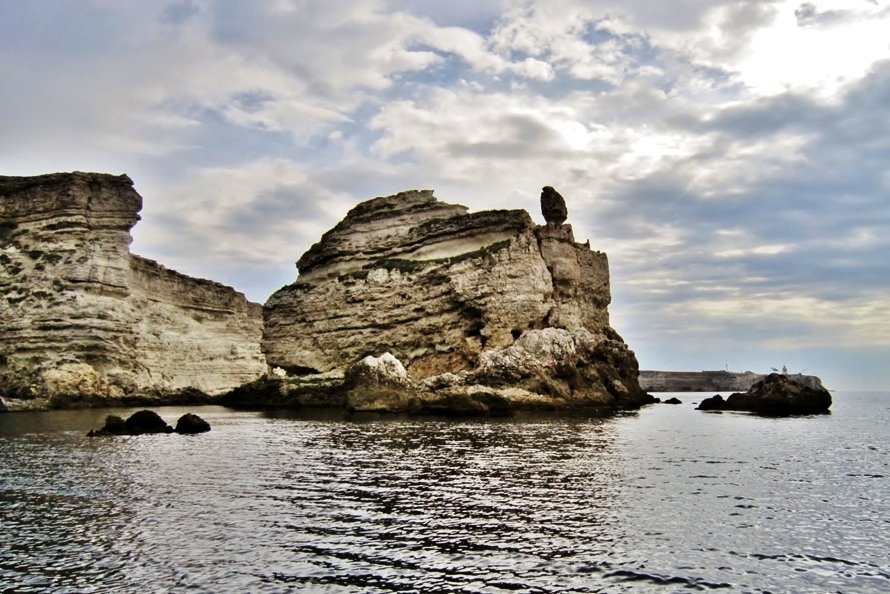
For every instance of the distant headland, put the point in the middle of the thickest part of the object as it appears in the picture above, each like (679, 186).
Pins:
(712, 381)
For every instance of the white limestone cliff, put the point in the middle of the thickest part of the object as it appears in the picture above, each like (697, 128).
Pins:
(448, 293)
(86, 322)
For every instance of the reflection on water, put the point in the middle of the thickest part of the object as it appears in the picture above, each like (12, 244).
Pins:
(668, 499)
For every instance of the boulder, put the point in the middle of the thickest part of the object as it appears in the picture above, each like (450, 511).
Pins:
(146, 421)
(553, 206)
(673, 400)
(715, 402)
(114, 425)
(139, 423)
(775, 395)
(190, 424)
(379, 384)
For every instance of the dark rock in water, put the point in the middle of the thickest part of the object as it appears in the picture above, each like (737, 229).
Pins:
(715, 402)
(673, 400)
(144, 421)
(114, 425)
(190, 424)
(553, 206)
(775, 395)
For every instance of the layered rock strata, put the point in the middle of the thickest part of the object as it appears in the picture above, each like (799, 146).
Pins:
(484, 303)
(86, 322)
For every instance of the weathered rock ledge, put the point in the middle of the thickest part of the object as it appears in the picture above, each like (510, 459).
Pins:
(86, 323)
(415, 305)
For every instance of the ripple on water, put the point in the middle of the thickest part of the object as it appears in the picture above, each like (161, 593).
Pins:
(666, 500)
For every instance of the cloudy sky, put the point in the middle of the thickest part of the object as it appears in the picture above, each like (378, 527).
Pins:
(731, 157)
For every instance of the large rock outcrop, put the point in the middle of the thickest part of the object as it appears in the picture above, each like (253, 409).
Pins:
(486, 304)
(86, 322)
(774, 395)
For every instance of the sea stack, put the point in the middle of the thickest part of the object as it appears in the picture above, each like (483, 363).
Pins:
(85, 322)
(482, 310)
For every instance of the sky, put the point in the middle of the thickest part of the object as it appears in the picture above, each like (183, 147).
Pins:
(732, 158)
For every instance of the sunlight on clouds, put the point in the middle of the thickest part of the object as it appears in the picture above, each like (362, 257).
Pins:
(818, 58)
(761, 250)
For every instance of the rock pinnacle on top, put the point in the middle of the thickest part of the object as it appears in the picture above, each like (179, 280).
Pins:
(553, 206)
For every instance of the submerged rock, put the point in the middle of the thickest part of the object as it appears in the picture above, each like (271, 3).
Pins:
(775, 395)
(190, 424)
(114, 425)
(148, 422)
(139, 423)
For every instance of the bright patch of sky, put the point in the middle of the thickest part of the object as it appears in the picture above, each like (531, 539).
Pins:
(730, 157)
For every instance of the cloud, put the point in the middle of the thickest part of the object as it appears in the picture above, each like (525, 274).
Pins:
(727, 156)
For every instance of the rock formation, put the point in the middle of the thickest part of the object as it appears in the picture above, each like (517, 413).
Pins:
(553, 206)
(775, 395)
(483, 310)
(149, 422)
(191, 424)
(86, 322)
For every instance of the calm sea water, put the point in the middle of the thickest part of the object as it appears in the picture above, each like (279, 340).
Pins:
(667, 499)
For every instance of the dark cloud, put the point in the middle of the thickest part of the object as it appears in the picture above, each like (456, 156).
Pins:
(808, 15)
(179, 12)
(815, 232)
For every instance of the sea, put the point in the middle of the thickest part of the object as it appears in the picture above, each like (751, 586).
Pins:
(664, 499)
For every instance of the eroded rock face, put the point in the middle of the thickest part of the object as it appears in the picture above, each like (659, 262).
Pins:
(465, 301)
(86, 322)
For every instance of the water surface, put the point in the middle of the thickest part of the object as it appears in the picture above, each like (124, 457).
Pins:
(668, 499)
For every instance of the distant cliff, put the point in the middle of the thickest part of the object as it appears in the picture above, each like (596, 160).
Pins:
(466, 302)
(712, 381)
(86, 322)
